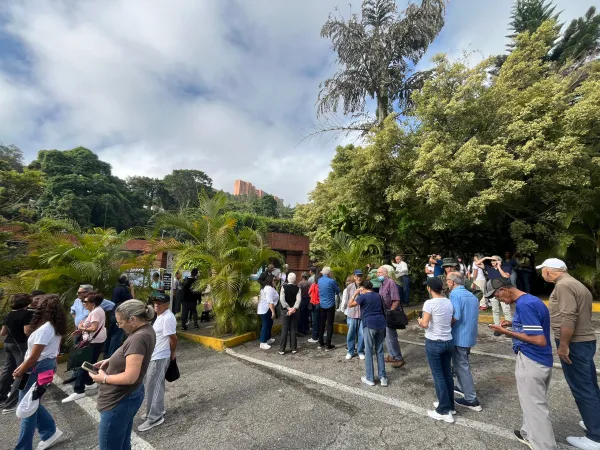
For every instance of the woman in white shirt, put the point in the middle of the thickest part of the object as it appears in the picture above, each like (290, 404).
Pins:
(49, 323)
(93, 329)
(267, 300)
(437, 322)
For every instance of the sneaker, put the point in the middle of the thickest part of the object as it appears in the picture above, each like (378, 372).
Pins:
(384, 382)
(9, 410)
(270, 341)
(312, 341)
(367, 382)
(583, 443)
(145, 415)
(50, 442)
(446, 418)
(294, 352)
(522, 439)
(74, 396)
(91, 387)
(264, 346)
(582, 425)
(361, 355)
(435, 405)
(348, 356)
(281, 353)
(329, 347)
(475, 406)
(148, 426)
(457, 391)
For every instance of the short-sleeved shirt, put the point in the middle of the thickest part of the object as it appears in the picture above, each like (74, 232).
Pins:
(15, 322)
(532, 318)
(140, 342)
(440, 324)
(164, 326)
(492, 273)
(96, 315)
(267, 296)
(79, 311)
(371, 309)
(466, 313)
(44, 335)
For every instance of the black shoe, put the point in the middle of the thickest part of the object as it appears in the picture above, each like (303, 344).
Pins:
(329, 347)
(184, 328)
(522, 439)
(70, 380)
(474, 406)
(196, 326)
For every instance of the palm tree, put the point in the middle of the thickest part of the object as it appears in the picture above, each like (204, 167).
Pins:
(213, 245)
(375, 52)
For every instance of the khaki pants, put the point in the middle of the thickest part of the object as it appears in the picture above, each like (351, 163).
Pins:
(483, 303)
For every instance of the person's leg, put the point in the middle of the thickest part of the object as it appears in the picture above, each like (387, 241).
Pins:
(263, 330)
(294, 330)
(369, 334)
(496, 310)
(406, 289)
(10, 364)
(45, 423)
(115, 428)
(269, 324)
(507, 311)
(393, 346)
(527, 281)
(434, 351)
(285, 328)
(464, 377)
(361, 342)
(315, 313)
(79, 386)
(446, 358)
(194, 308)
(330, 319)
(185, 312)
(322, 323)
(533, 380)
(155, 388)
(351, 334)
(13, 396)
(379, 339)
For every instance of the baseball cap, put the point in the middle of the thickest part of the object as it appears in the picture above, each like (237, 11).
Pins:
(326, 270)
(553, 263)
(435, 283)
(493, 285)
(358, 272)
(160, 297)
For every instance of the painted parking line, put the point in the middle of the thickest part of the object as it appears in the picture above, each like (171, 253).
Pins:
(477, 352)
(89, 406)
(418, 410)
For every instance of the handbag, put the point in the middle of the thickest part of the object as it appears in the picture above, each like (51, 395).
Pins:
(172, 373)
(395, 319)
(82, 352)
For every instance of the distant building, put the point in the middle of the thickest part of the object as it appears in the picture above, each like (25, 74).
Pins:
(241, 187)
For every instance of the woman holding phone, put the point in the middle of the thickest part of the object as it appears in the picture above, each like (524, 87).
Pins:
(121, 376)
(49, 323)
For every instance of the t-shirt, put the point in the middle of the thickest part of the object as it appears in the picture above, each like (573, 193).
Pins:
(140, 342)
(440, 324)
(492, 273)
(480, 275)
(429, 270)
(371, 309)
(120, 294)
(164, 326)
(44, 335)
(15, 321)
(532, 318)
(268, 296)
(97, 315)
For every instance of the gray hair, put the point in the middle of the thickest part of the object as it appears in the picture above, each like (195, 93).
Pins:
(135, 308)
(497, 258)
(86, 287)
(456, 277)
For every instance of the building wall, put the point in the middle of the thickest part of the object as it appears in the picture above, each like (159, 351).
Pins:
(294, 248)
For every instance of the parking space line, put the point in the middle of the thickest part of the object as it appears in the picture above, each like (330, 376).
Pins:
(468, 423)
(89, 406)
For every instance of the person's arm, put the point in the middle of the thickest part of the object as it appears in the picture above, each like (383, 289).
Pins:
(31, 360)
(395, 296)
(424, 321)
(284, 304)
(173, 345)
(297, 303)
(273, 301)
(3, 331)
(569, 314)
(533, 333)
(90, 328)
(539, 340)
(502, 272)
(456, 313)
(353, 301)
(133, 367)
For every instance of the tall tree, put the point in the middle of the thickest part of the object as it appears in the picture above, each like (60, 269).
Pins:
(375, 52)
(12, 155)
(529, 15)
(266, 206)
(186, 185)
(581, 40)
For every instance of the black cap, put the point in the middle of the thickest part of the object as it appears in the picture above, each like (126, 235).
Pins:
(435, 284)
(493, 285)
(160, 297)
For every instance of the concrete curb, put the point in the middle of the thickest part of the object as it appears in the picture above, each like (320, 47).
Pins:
(221, 344)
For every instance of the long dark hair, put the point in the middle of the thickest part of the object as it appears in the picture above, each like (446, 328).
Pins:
(49, 309)
(265, 280)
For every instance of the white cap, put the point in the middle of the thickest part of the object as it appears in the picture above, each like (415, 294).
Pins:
(553, 263)
(326, 270)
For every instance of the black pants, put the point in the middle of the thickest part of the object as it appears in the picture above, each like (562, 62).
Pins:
(14, 354)
(82, 377)
(289, 324)
(303, 326)
(189, 308)
(326, 315)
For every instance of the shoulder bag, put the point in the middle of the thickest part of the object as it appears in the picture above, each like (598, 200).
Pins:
(395, 319)
(82, 352)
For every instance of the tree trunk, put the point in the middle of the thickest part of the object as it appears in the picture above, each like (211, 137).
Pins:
(382, 108)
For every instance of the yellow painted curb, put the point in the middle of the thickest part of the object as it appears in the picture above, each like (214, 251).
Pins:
(221, 344)
(595, 306)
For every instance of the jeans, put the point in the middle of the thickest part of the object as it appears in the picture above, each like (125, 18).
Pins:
(315, 312)
(406, 290)
(355, 328)
(583, 381)
(496, 310)
(524, 280)
(303, 318)
(114, 432)
(115, 342)
(393, 346)
(289, 324)
(14, 354)
(41, 419)
(462, 370)
(267, 324)
(189, 308)
(439, 356)
(111, 329)
(374, 339)
(82, 377)
(326, 316)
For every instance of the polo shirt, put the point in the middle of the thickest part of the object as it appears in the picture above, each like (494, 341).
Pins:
(466, 314)
(532, 318)
(327, 290)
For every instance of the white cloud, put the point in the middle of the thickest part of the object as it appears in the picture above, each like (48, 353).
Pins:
(227, 87)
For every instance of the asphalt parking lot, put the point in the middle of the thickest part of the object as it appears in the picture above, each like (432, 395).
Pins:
(254, 399)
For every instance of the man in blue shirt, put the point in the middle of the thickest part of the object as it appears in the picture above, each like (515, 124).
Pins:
(328, 289)
(464, 336)
(78, 311)
(531, 343)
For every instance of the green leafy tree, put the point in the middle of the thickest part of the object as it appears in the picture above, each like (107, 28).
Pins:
(581, 39)
(12, 155)
(266, 206)
(186, 185)
(346, 254)
(152, 193)
(17, 192)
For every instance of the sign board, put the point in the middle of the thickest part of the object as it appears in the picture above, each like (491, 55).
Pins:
(166, 278)
(170, 261)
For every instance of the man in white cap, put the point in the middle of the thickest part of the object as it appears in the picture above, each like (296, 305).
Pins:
(571, 319)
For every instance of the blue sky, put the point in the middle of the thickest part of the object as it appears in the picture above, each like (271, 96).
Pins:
(228, 87)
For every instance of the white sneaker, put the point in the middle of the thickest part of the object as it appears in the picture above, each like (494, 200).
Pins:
(384, 382)
(148, 426)
(270, 341)
(50, 442)
(74, 396)
(367, 382)
(312, 341)
(348, 356)
(435, 405)
(582, 425)
(434, 415)
(583, 443)
(91, 387)
(264, 346)
(361, 355)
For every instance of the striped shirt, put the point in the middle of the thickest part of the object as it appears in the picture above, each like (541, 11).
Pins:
(466, 314)
(532, 318)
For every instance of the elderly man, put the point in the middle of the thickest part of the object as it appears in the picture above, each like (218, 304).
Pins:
(78, 311)
(531, 343)
(464, 336)
(571, 318)
(492, 266)
(328, 289)
(391, 300)
(402, 275)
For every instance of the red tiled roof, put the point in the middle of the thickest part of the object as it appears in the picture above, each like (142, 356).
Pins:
(137, 245)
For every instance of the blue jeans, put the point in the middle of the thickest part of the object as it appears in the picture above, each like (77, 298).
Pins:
(393, 346)
(439, 356)
(354, 328)
(114, 432)
(115, 341)
(583, 381)
(374, 339)
(267, 324)
(41, 419)
(315, 321)
(406, 289)
(462, 370)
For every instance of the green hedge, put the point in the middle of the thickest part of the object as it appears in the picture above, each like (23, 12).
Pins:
(268, 224)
